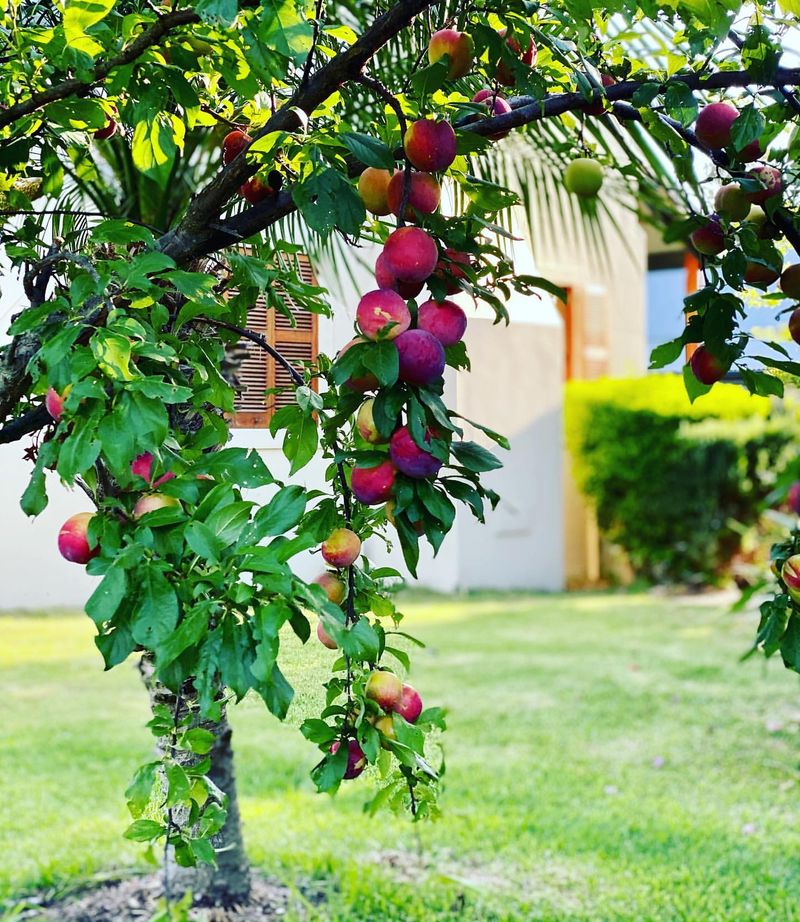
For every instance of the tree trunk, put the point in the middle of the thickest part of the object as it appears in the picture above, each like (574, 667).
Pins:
(228, 883)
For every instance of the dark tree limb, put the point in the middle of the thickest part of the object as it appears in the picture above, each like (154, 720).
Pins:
(29, 422)
(190, 238)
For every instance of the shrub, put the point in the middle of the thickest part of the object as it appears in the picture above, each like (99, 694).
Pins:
(674, 483)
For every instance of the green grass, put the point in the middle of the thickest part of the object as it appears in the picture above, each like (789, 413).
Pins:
(608, 759)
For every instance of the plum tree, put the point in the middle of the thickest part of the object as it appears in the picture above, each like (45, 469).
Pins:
(239, 130)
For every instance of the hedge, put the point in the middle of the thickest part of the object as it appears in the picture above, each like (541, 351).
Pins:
(673, 483)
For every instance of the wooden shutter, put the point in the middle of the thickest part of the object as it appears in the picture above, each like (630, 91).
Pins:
(297, 343)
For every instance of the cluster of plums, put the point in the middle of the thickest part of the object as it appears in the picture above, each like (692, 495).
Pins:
(734, 204)
(393, 697)
(73, 537)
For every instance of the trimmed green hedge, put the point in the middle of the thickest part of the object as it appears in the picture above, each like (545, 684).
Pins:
(674, 483)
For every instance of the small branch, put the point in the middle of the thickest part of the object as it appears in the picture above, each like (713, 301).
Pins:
(29, 422)
(74, 87)
(261, 341)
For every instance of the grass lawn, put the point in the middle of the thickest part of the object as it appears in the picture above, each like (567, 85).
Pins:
(608, 759)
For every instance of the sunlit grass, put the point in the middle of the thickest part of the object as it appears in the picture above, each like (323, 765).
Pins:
(608, 759)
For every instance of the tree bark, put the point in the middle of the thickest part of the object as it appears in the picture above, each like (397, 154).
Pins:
(227, 884)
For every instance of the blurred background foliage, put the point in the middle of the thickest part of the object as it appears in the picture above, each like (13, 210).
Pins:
(679, 487)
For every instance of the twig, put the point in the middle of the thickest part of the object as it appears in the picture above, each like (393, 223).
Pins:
(74, 87)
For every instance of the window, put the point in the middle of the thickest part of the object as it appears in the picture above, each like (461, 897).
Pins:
(259, 371)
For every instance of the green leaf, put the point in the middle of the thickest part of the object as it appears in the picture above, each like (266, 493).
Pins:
(282, 512)
(198, 740)
(666, 353)
(156, 612)
(156, 141)
(680, 103)
(191, 629)
(330, 771)
(748, 126)
(218, 12)
(694, 388)
(370, 151)
(202, 540)
(383, 359)
(328, 200)
(140, 790)
(475, 457)
(81, 15)
(107, 598)
(145, 831)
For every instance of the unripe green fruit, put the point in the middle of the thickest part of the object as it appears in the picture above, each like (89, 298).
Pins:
(583, 177)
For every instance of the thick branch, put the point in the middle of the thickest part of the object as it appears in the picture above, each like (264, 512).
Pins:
(74, 87)
(190, 238)
(24, 425)
(525, 110)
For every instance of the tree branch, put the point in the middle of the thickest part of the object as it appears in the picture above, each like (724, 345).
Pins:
(24, 425)
(74, 87)
(190, 238)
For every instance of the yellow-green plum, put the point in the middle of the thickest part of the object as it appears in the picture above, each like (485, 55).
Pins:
(333, 586)
(425, 193)
(150, 502)
(73, 539)
(385, 688)
(418, 526)
(385, 726)
(383, 314)
(444, 319)
(409, 458)
(583, 177)
(790, 281)
(373, 187)
(386, 278)
(706, 367)
(356, 760)
(430, 144)
(410, 704)
(732, 202)
(341, 548)
(459, 48)
(365, 423)
(713, 125)
(373, 485)
(411, 254)
(421, 356)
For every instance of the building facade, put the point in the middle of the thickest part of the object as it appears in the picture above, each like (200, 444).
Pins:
(541, 535)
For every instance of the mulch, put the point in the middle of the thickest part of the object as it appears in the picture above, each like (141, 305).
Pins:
(135, 900)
